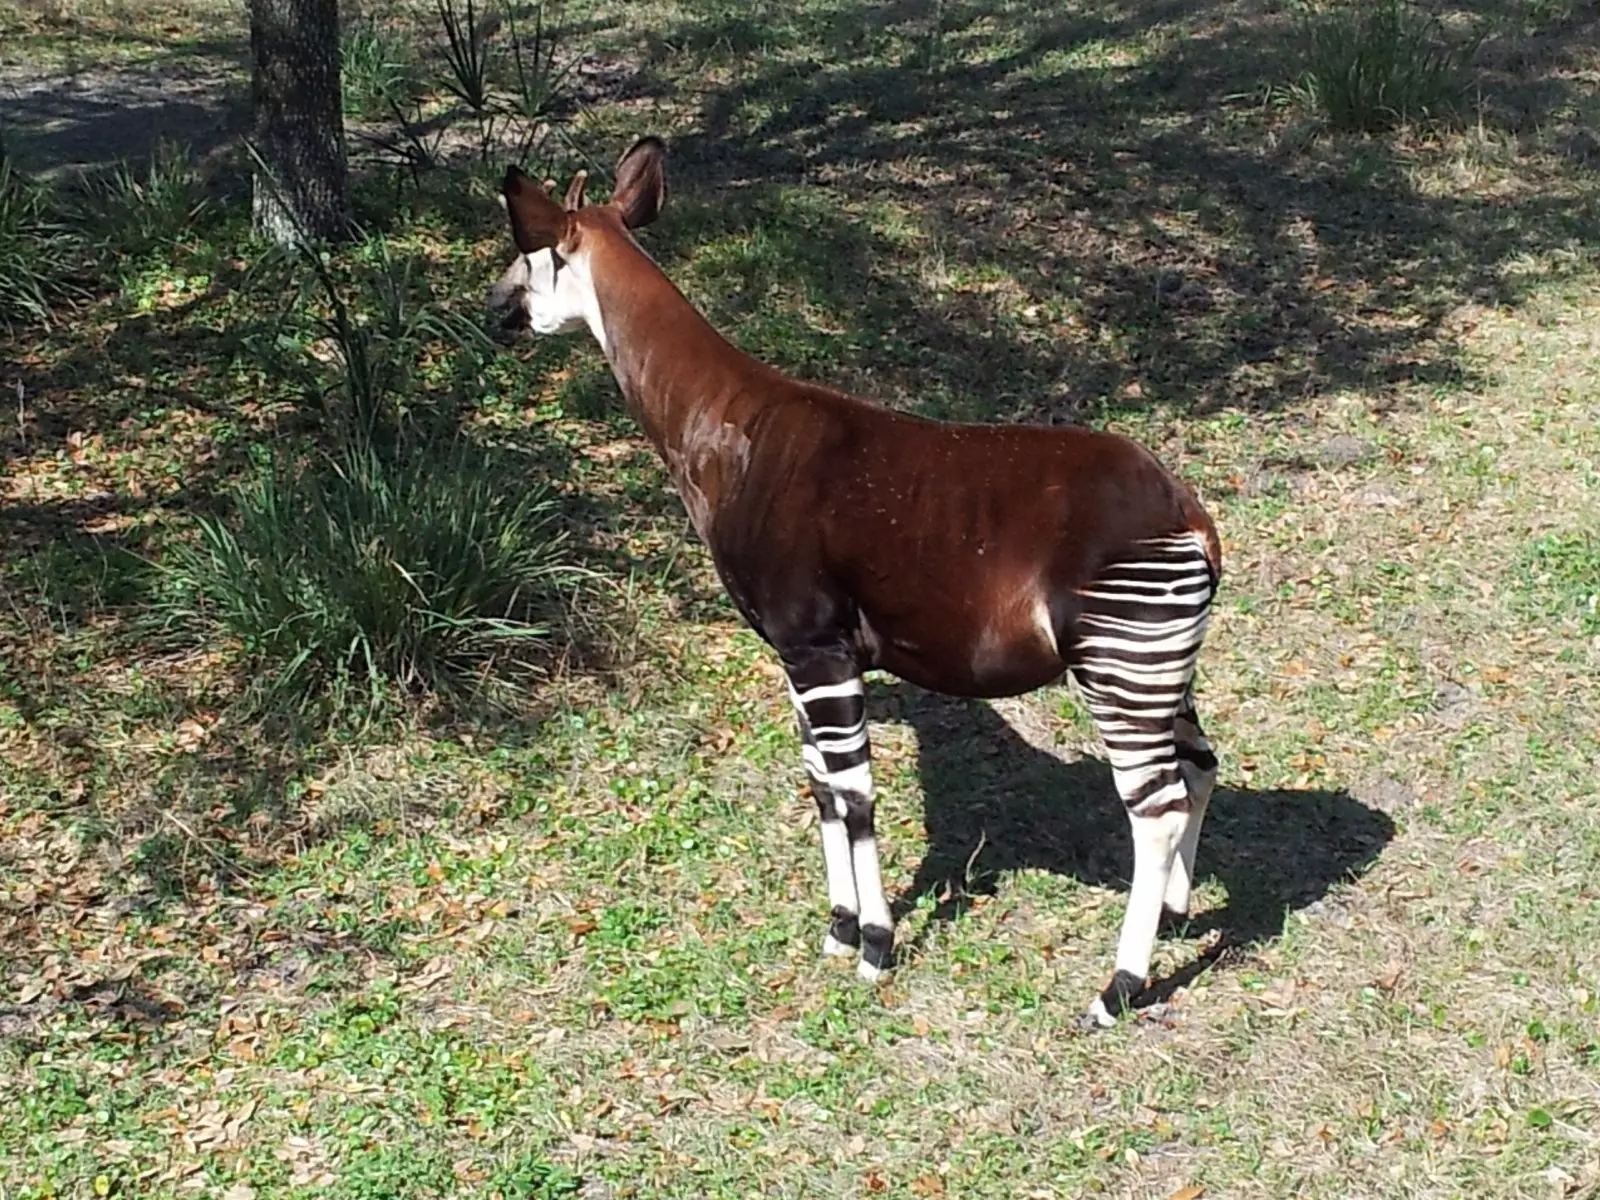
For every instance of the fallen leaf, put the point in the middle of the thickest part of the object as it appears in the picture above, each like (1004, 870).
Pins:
(671, 1102)
(1193, 1192)
(927, 1185)
(191, 735)
(243, 1048)
(1280, 995)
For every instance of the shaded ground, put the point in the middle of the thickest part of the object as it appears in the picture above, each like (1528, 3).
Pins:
(95, 117)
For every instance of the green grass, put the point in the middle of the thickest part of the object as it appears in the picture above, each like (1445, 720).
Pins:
(564, 945)
(377, 70)
(1370, 66)
(1564, 573)
(35, 251)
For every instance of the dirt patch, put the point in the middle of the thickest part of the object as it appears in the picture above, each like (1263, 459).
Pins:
(59, 122)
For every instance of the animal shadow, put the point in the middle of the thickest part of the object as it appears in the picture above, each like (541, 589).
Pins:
(994, 803)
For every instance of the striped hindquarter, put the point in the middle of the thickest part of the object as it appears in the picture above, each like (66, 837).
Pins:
(1140, 630)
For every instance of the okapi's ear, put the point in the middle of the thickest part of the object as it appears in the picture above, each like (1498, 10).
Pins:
(574, 200)
(537, 222)
(641, 189)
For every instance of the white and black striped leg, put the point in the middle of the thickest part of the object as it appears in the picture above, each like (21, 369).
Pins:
(1135, 712)
(1157, 799)
(1198, 763)
(1140, 629)
(831, 703)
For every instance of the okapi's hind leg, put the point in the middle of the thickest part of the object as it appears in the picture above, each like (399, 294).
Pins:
(1138, 634)
(830, 701)
(1153, 789)
(1198, 763)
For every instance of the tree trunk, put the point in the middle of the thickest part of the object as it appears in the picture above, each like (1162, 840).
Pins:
(299, 121)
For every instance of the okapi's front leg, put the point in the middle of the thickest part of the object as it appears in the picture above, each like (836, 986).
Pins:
(831, 703)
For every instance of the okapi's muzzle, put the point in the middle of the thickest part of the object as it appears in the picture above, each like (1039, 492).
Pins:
(506, 302)
(513, 324)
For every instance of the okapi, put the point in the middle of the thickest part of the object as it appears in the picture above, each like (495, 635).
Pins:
(972, 560)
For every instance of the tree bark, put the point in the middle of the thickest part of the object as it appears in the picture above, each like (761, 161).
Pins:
(299, 121)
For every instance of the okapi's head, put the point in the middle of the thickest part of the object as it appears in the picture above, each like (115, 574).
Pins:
(549, 287)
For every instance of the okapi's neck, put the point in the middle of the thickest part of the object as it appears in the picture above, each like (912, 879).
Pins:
(675, 371)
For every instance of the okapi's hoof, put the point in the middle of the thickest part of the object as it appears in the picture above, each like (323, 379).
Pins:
(844, 934)
(877, 953)
(1096, 1019)
(1113, 1002)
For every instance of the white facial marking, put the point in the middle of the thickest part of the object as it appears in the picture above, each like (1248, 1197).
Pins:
(557, 295)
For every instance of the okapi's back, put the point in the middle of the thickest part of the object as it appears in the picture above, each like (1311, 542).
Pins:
(970, 542)
(999, 492)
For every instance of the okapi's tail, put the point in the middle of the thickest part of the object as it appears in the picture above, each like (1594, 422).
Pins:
(1205, 529)
(1213, 546)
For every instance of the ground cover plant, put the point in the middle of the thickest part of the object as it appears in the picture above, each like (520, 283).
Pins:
(452, 944)
(1372, 66)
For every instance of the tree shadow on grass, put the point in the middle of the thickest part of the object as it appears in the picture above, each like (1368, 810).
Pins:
(92, 116)
(1103, 216)
(995, 804)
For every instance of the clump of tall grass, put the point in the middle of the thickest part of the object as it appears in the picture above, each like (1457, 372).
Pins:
(505, 68)
(469, 51)
(351, 336)
(378, 70)
(1374, 64)
(538, 79)
(131, 211)
(365, 574)
(37, 250)
(500, 64)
